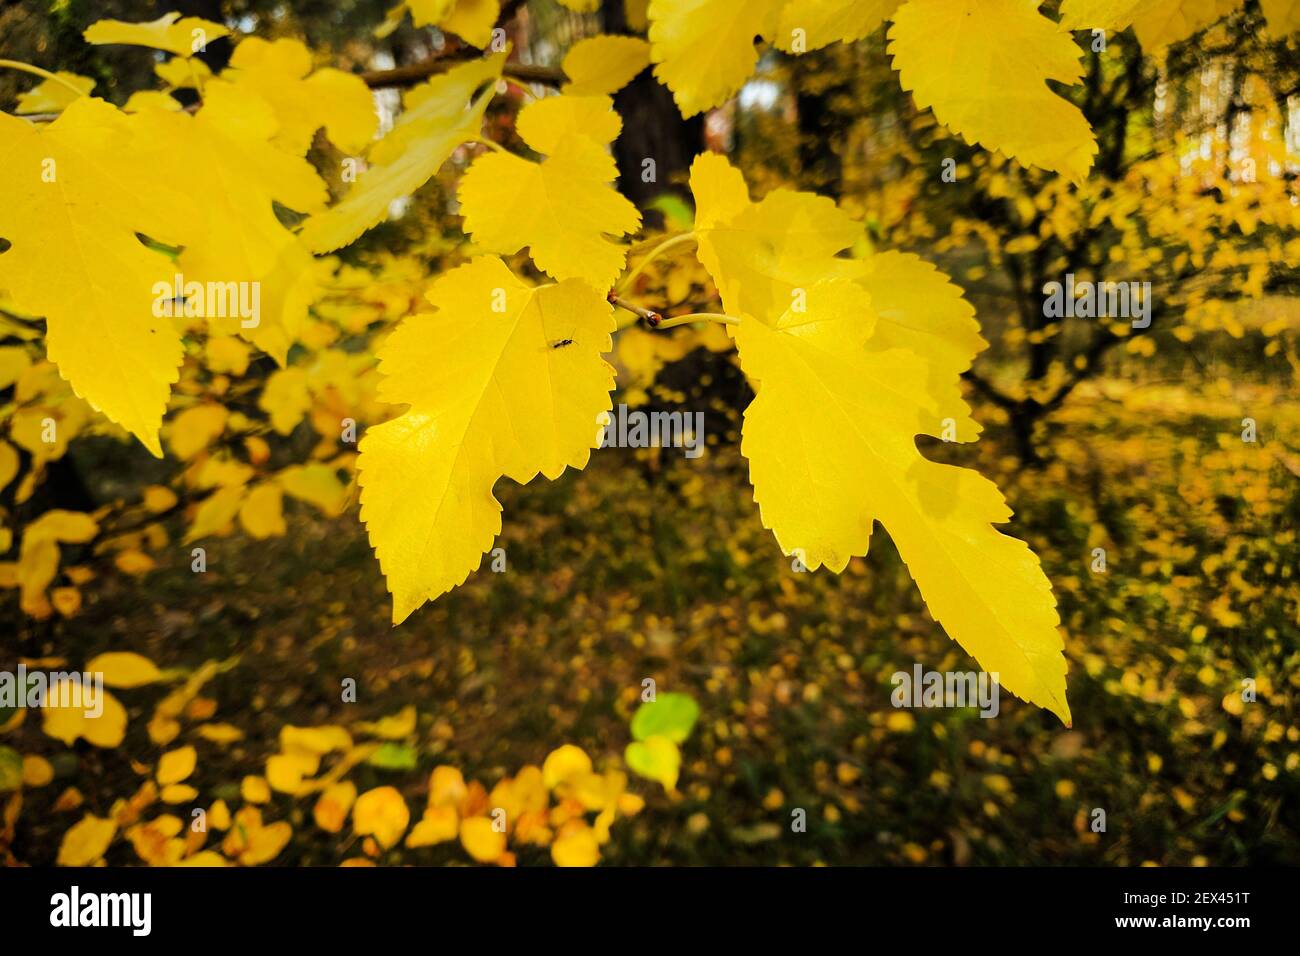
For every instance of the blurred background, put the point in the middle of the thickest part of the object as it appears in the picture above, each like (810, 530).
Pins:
(1172, 454)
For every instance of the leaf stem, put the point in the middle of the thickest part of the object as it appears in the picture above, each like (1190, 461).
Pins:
(484, 141)
(37, 71)
(655, 253)
(677, 320)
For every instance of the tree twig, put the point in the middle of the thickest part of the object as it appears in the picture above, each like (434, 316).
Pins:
(649, 316)
(413, 73)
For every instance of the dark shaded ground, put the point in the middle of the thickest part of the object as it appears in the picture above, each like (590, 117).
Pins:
(629, 571)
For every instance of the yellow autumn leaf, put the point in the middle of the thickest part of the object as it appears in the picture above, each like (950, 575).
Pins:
(983, 66)
(578, 847)
(86, 841)
(215, 513)
(986, 589)
(38, 563)
(393, 727)
(655, 758)
(285, 398)
(57, 524)
(564, 763)
(812, 24)
(564, 208)
(332, 806)
(158, 499)
(37, 771)
(438, 825)
(286, 773)
(472, 20)
(124, 669)
(183, 72)
(481, 840)
(134, 562)
(317, 740)
(262, 513)
(170, 32)
(429, 13)
(277, 71)
(704, 49)
(176, 765)
(919, 309)
(225, 353)
(604, 64)
(419, 143)
(266, 843)
(251, 276)
(530, 384)
(196, 428)
(177, 793)
(53, 96)
(317, 484)
(220, 733)
(381, 813)
(142, 100)
(255, 789)
(446, 787)
(104, 728)
(81, 182)
(761, 255)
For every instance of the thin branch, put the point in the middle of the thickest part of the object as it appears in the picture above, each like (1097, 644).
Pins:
(649, 316)
(411, 74)
(989, 392)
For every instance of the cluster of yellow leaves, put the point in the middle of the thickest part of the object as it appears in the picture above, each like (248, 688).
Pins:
(546, 806)
(231, 467)
(531, 382)
(433, 124)
(1175, 215)
(982, 66)
(38, 563)
(1157, 23)
(876, 346)
(704, 49)
(228, 164)
(97, 177)
(472, 20)
(551, 806)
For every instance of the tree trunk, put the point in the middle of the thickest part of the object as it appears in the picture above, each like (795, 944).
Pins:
(656, 147)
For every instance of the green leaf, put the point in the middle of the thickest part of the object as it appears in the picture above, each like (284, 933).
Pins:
(670, 715)
(11, 769)
(393, 756)
(677, 213)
